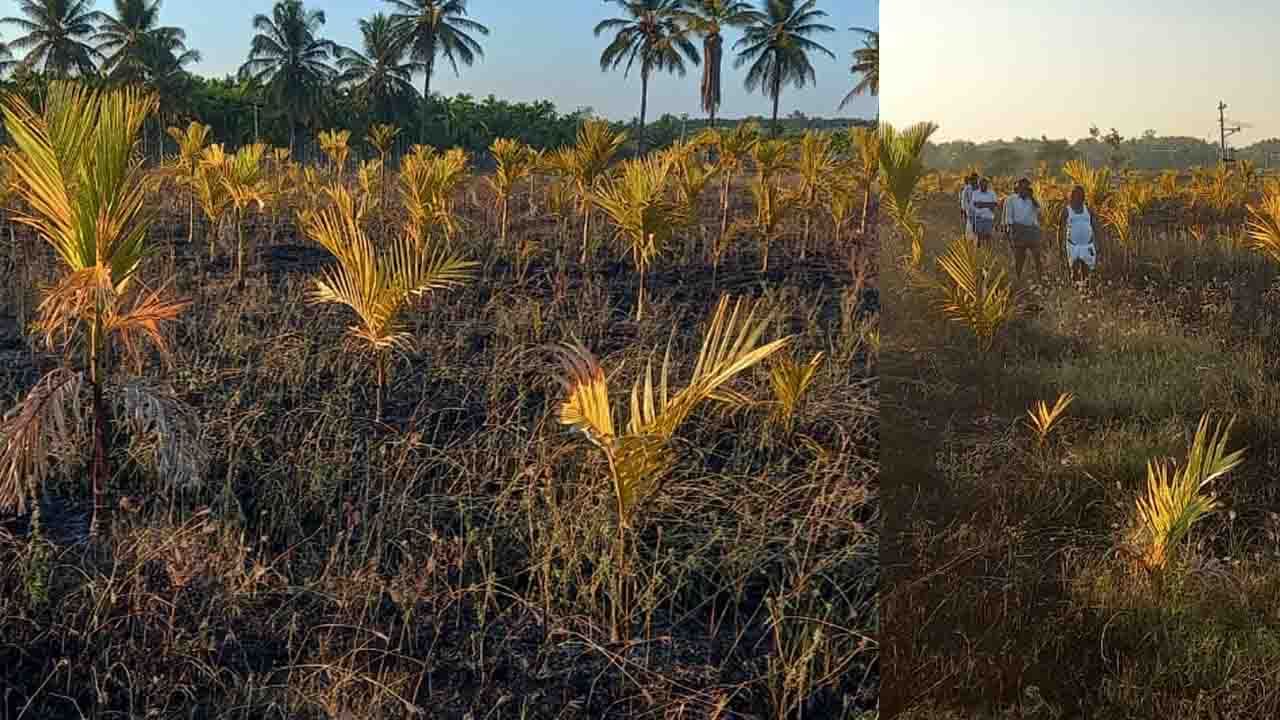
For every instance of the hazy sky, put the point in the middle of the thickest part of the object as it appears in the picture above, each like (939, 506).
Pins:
(1002, 68)
(541, 49)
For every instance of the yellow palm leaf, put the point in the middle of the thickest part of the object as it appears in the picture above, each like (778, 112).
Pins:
(586, 404)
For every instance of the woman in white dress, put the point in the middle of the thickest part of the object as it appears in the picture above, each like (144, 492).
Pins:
(1082, 253)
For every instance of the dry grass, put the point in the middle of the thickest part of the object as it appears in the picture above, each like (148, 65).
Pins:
(1009, 589)
(455, 560)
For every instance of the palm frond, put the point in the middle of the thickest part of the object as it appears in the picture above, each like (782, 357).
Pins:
(33, 431)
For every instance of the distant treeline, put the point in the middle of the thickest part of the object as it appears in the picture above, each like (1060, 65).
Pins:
(1146, 152)
(227, 105)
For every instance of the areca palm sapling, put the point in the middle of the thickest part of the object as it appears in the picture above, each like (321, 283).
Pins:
(974, 291)
(645, 216)
(247, 183)
(334, 144)
(815, 167)
(777, 48)
(640, 457)
(85, 193)
(210, 191)
(1178, 497)
(901, 157)
(842, 202)
(690, 176)
(587, 161)
(191, 143)
(379, 286)
(282, 186)
(732, 149)
(382, 138)
(428, 181)
(515, 161)
(652, 34)
(866, 165)
(773, 202)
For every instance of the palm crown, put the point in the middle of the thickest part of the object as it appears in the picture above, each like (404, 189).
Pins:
(778, 45)
(651, 34)
(290, 58)
(382, 74)
(708, 18)
(866, 63)
(57, 36)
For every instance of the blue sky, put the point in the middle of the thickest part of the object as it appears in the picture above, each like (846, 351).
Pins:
(544, 49)
(1001, 68)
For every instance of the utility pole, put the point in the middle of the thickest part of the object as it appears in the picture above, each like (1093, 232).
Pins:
(1224, 132)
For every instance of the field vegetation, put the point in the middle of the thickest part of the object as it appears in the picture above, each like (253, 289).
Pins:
(346, 438)
(1081, 512)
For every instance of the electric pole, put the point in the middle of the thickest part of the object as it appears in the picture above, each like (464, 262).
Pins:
(1224, 131)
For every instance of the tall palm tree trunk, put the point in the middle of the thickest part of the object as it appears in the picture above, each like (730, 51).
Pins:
(712, 49)
(776, 92)
(426, 95)
(644, 102)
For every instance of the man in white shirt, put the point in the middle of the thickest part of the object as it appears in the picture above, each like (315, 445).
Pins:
(983, 203)
(1022, 222)
(966, 209)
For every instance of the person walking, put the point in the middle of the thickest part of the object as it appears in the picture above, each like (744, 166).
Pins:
(983, 202)
(1082, 254)
(1022, 223)
(966, 210)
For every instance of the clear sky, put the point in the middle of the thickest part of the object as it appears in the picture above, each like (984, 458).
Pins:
(1001, 68)
(544, 49)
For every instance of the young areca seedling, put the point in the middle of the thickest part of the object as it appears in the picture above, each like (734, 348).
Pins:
(335, 144)
(974, 291)
(640, 457)
(1178, 497)
(791, 380)
(1044, 418)
(191, 142)
(85, 193)
(639, 202)
(378, 287)
(516, 161)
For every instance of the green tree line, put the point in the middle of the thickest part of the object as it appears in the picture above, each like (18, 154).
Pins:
(296, 82)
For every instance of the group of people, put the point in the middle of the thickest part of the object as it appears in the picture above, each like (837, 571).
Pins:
(1021, 224)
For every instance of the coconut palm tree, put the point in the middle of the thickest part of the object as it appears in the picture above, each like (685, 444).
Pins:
(290, 58)
(708, 18)
(130, 39)
(382, 75)
(58, 33)
(866, 62)
(437, 28)
(6, 58)
(653, 34)
(778, 45)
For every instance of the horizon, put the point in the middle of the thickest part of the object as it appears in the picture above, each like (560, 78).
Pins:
(511, 70)
(1069, 84)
